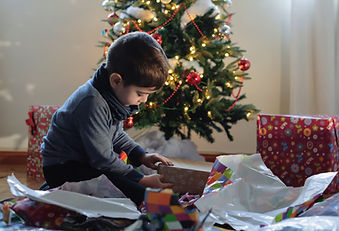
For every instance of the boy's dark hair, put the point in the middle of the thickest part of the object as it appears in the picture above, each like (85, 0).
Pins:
(139, 59)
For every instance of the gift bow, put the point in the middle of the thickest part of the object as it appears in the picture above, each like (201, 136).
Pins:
(30, 122)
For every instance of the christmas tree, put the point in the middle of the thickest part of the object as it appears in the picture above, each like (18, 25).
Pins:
(207, 71)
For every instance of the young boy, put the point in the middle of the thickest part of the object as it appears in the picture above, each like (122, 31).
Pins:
(86, 134)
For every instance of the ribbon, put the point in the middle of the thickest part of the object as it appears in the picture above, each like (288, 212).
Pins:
(30, 122)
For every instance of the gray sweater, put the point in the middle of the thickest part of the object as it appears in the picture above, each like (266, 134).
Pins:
(88, 128)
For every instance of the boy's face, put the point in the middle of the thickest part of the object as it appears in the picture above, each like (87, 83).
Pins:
(130, 95)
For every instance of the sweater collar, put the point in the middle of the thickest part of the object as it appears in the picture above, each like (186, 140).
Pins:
(100, 81)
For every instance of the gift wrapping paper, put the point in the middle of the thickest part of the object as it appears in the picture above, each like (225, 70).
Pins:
(295, 147)
(163, 206)
(39, 120)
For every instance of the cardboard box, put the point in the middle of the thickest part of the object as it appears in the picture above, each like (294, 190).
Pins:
(295, 147)
(187, 175)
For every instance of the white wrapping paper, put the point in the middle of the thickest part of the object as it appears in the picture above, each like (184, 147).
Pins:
(256, 196)
(87, 205)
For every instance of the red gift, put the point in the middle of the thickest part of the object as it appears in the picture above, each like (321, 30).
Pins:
(47, 216)
(295, 147)
(39, 120)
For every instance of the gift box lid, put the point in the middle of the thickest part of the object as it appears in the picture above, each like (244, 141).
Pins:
(192, 164)
(330, 122)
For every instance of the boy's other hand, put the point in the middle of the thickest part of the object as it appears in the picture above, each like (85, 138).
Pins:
(150, 159)
(154, 181)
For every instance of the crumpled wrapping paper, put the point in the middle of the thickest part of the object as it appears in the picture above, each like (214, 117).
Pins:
(254, 196)
(316, 223)
(87, 205)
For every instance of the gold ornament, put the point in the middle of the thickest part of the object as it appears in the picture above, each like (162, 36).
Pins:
(151, 105)
(228, 84)
(251, 116)
(165, 1)
(186, 108)
(209, 114)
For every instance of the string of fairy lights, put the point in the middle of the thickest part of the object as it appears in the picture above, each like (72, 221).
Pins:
(193, 78)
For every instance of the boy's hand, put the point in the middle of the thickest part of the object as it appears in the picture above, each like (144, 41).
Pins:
(149, 160)
(154, 181)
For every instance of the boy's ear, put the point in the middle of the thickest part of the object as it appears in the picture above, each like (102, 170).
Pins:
(115, 80)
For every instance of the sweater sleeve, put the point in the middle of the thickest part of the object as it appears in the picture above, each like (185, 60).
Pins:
(123, 142)
(95, 129)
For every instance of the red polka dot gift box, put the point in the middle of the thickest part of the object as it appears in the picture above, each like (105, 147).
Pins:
(295, 147)
(39, 119)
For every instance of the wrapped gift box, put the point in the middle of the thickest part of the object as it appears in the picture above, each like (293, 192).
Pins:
(39, 120)
(163, 207)
(187, 175)
(295, 147)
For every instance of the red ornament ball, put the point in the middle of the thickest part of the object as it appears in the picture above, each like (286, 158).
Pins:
(129, 122)
(157, 37)
(193, 78)
(244, 64)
